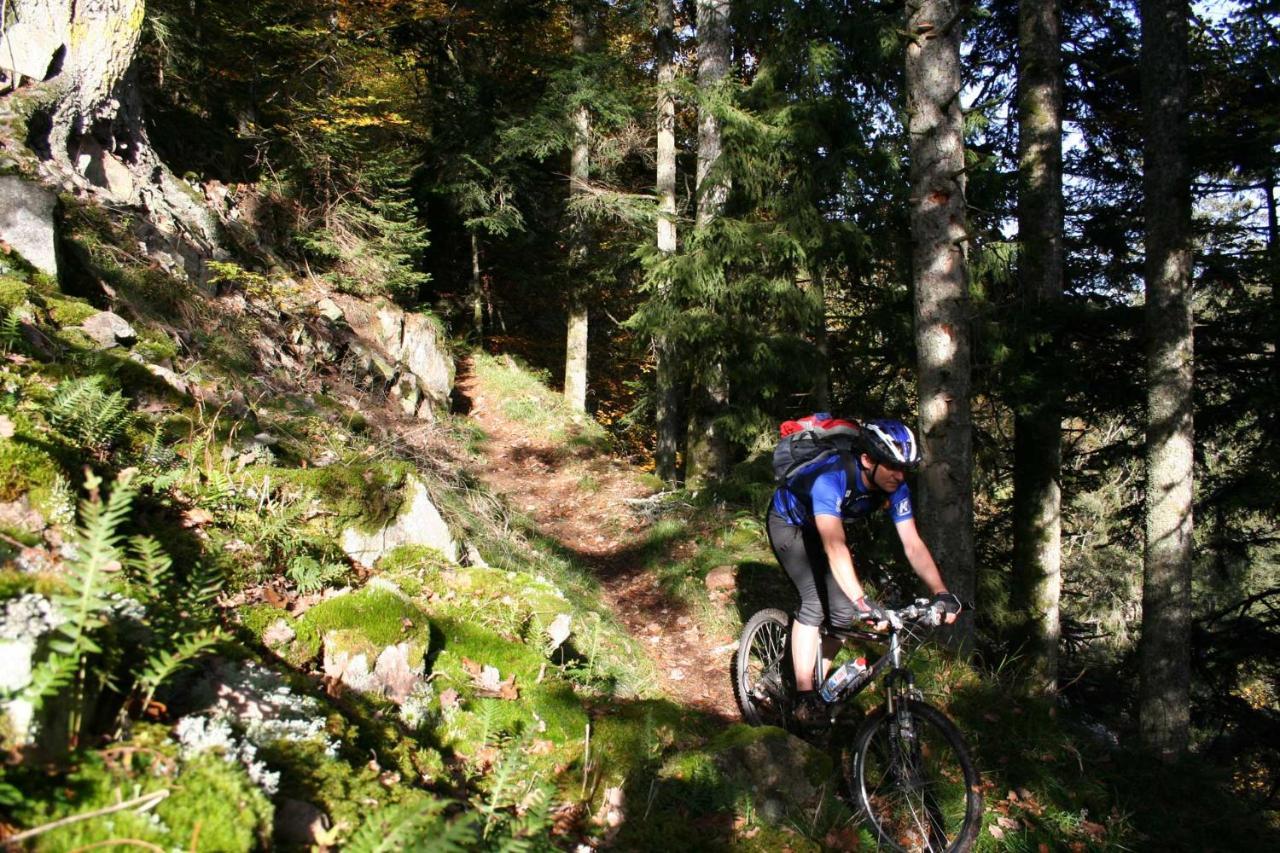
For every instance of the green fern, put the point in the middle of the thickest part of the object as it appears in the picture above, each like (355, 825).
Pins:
(88, 416)
(416, 826)
(10, 331)
(162, 664)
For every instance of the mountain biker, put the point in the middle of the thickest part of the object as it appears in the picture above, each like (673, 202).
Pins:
(806, 530)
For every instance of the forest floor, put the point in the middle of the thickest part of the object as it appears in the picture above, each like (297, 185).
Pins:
(587, 502)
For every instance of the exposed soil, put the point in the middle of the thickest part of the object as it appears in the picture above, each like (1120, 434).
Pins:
(581, 501)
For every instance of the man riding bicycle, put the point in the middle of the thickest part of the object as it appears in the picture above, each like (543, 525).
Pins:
(806, 531)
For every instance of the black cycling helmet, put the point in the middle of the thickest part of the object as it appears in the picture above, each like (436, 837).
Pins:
(890, 442)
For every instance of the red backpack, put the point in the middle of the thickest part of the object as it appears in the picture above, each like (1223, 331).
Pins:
(810, 439)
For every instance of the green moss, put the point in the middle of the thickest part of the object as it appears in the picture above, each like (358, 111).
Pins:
(368, 496)
(216, 803)
(13, 292)
(25, 469)
(68, 311)
(211, 804)
(378, 616)
(155, 347)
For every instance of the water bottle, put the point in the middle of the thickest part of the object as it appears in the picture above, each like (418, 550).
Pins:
(844, 677)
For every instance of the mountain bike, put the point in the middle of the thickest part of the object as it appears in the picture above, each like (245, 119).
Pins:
(907, 768)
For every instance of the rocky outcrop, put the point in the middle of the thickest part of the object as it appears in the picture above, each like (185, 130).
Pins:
(403, 352)
(26, 221)
(420, 523)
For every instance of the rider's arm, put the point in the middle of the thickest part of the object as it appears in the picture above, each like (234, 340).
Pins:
(831, 529)
(920, 558)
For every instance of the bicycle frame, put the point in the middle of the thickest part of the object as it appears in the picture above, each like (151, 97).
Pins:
(891, 661)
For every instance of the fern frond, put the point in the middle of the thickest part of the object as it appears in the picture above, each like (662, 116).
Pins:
(10, 331)
(413, 826)
(149, 568)
(49, 677)
(87, 415)
(163, 664)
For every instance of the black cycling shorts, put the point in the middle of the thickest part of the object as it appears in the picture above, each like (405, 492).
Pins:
(799, 550)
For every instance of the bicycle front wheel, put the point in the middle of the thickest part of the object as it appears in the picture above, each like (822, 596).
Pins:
(914, 780)
(762, 680)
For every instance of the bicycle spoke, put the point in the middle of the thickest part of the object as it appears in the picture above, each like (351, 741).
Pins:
(911, 782)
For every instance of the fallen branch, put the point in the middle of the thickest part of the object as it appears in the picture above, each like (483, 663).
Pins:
(145, 801)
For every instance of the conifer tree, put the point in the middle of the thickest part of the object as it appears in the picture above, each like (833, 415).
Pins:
(666, 395)
(707, 458)
(1037, 461)
(575, 367)
(939, 234)
(1165, 647)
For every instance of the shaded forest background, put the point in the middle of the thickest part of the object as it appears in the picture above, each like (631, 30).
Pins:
(423, 150)
(494, 163)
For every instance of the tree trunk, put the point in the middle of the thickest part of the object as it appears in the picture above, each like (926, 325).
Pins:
(938, 231)
(1037, 463)
(1273, 258)
(1164, 651)
(707, 458)
(575, 364)
(477, 290)
(668, 423)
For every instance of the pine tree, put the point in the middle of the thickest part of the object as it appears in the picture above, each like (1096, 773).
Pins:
(1165, 648)
(707, 458)
(939, 234)
(1037, 462)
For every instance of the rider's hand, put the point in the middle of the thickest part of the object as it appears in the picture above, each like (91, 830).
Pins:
(947, 604)
(866, 610)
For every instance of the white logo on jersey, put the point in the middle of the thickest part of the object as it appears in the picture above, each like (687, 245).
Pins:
(904, 508)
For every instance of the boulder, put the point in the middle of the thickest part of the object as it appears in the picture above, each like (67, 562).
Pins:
(26, 221)
(420, 523)
(108, 329)
(29, 47)
(405, 351)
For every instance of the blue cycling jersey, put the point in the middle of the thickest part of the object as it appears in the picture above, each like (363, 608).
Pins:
(823, 489)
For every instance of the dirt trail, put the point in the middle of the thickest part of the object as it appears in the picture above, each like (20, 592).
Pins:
(580, 500)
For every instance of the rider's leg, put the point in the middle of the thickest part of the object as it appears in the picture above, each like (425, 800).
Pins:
(804, 562)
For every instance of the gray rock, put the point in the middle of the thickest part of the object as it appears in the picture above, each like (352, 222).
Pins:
(104, 170)
(330, 310)
(26, 221)
(108, 329)
(419, 524)
(28, 48)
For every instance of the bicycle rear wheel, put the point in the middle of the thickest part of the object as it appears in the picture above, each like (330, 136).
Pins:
(762, 679)
(914, 780)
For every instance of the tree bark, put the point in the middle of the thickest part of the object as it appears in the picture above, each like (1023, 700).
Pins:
(575, 366)
(1037, 464)
(667, 406)
(938, 231)
(822, 383)
(707, 459)
(1164, 650)
(81, 51)
(477, 290)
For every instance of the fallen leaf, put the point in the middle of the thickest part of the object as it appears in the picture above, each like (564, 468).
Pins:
(449, 699)
(196, 517)
(1009, 823)
(559, 629)
(541, 747)
(996, 832)
(1096, 831)
(6, 427)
